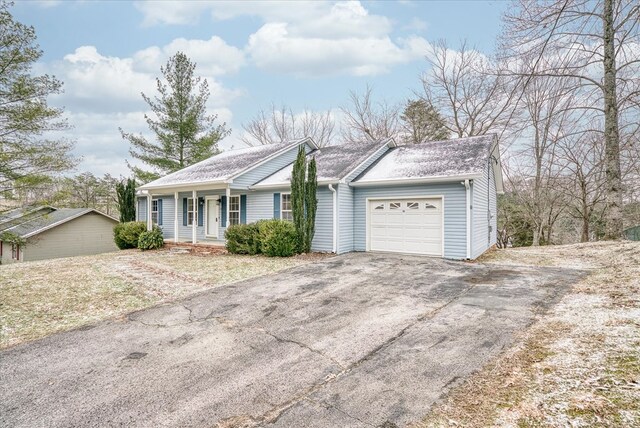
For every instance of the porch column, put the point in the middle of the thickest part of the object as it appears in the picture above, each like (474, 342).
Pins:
(149, 221)
(228, 205)
(194, 224)
(176, 229)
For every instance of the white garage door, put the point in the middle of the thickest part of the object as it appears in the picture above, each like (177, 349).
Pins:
(406, 226)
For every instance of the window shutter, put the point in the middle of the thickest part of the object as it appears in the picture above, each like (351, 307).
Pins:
(276, 205)
(223, 210)
(200, 211)
(160, 212)
(184, 211)
(243, 209)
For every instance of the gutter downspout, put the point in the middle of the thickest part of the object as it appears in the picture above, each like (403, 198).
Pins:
(468, 210)
(335, 218)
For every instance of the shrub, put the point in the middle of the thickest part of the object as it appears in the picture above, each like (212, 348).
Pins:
(151, 239)
(126, 235)
(278, 238)
(243, 239)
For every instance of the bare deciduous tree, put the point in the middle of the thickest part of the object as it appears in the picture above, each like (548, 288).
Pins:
(595, 42)
(365, 120)
(281, 124)
(468, 90)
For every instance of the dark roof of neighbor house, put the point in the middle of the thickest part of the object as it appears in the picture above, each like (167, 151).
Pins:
(223, 166)
(433, 160)
(11, 218)
(31, 225)
(333, 162)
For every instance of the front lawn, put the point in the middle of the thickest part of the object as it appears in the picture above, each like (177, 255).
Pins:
(578, 365)
(41, 298)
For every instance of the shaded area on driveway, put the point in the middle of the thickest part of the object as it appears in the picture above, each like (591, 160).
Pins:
(355, 340)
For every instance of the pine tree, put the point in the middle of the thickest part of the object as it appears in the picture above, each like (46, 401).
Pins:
(422, 122)
(27, 158)
(184, 133)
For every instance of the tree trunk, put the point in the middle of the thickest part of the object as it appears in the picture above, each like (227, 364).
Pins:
(613, 221)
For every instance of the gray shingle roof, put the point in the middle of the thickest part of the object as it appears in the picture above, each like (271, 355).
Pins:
(9, 219)
(333, 163)
(30, 225)
(434, 159)
(221, 167)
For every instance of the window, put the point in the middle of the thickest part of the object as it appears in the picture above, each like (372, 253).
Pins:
(394, 205)
(15, 252)
(154, 211)
(234, 210)
(429, 206)
(286, 213)
(379, 207)
(191, 212)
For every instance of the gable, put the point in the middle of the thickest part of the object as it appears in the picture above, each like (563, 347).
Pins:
(269, 167)
(225, 167)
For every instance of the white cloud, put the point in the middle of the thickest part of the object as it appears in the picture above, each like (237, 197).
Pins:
(214, 57)
(275, 49)
(304, 38)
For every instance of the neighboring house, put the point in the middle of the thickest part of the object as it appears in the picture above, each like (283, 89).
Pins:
(56, 232)
(632, 233)
(435, 198)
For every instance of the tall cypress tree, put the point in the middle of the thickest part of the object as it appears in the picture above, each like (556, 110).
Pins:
(298, 195)
(311, 204)
(127, 200)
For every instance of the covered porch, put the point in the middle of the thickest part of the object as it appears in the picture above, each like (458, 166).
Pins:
(196, 216)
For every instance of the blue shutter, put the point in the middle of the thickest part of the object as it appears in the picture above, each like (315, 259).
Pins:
(200, 211)
(184, 211)
(243, 209)
(276, 205)
(160, 212)
(223, 210)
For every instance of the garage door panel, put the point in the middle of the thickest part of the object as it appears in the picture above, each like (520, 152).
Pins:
(407, 226)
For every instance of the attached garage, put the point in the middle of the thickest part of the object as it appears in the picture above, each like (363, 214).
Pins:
(436, 199)
(412, 225)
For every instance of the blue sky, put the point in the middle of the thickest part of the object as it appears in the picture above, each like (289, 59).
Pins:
(307, 55)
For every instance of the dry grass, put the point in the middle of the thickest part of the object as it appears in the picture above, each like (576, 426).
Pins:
(41, 298)
(578, 366)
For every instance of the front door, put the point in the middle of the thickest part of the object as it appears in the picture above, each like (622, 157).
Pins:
(212, 218)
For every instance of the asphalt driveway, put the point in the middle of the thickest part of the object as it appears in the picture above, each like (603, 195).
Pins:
(357, 340)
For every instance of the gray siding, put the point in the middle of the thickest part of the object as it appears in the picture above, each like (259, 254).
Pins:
(263, 171)
(323, 238)
(260, 206)
(376, 155)
(454, 212)
(483, 224)
(141, 212)
(7, 254)
(89, 234)
(345, 218)
(168, 214)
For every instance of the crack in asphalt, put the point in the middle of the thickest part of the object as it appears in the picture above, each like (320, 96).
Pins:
(272, 415)
(302, 345)
(350, 416)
